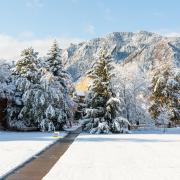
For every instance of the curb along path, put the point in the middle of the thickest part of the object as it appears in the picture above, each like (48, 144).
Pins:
(40, 166)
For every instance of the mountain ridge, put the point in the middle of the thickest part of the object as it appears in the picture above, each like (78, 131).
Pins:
(124, 47)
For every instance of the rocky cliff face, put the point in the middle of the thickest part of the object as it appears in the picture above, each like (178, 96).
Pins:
(143, 49)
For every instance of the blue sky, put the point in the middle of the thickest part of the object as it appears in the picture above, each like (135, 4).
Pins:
(26, 21)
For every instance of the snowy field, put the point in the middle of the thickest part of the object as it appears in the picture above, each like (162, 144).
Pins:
(18, 147)
(142, 155)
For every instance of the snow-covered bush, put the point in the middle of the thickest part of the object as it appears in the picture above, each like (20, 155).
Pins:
(164, 117)
(120, 125)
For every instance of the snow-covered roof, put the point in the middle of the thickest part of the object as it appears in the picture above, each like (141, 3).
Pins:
(80, 93)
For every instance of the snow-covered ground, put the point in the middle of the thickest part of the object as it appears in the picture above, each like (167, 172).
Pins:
(18, 147)
(143, 155)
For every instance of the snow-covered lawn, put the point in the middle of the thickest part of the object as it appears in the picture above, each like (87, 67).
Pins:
(142, 155)
(18, 147)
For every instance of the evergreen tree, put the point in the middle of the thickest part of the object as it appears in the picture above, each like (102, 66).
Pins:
(6, 90)
(25, 76)
(5, 76)
(41, 96)
(45, 103)
(166, 93)
(54, 62)
(103, 107)
(101, 76)
(55, 65)
(27, 66)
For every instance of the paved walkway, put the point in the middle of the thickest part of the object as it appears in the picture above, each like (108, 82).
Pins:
(39, 166)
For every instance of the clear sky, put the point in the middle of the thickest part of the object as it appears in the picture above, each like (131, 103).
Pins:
(36, 21)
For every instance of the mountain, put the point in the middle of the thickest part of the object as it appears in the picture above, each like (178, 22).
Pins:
(142, 49)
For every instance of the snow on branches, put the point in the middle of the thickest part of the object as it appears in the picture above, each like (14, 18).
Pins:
(41, 92)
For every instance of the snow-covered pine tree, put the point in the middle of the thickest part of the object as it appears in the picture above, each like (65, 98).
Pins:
(102, 114)
(26, 67)
(51, 102)
(25, 76)
(41, 97)
(6, 90)
(55, 65)
(62, 79)
(54, 61)
(166, 93)
(101, 84)
(5, 76)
